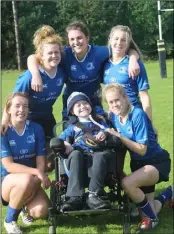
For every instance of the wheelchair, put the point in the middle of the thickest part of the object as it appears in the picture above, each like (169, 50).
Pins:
(119, 200)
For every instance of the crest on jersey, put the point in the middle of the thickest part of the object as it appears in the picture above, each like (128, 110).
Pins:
(59, 81)
(90, 66)
(31, 139)
(123, 70)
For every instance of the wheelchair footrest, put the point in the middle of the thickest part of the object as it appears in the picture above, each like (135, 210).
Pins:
(87, 212)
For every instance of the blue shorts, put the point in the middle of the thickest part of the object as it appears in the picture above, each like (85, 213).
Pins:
(161, 162)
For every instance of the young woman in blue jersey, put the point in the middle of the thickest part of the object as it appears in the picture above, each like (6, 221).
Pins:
(48, 47)
(48, 51)
(150, 164)
(116, 68)
(22, 165)
(83, 63)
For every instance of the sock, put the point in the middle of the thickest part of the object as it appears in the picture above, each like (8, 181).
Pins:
(165, 195)
(147, 209)
(12, 214)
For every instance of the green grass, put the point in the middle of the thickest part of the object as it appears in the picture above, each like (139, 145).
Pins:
(161, 93)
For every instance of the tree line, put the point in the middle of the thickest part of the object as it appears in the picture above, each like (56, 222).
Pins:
(99, 15)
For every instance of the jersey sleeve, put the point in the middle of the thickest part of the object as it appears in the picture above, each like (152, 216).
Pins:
(40, 141)
(68, 132)
(140, 127)
(142, 79)
(5, 149)
(103, 53)
(23, 83)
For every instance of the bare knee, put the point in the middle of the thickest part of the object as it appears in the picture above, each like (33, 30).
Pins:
(27, 183)
(127, 184)
(40, 210)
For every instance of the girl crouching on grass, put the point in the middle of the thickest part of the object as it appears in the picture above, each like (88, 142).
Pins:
(23, 165)
(150, 164)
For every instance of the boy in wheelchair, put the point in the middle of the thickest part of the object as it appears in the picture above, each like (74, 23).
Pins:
(88, 156)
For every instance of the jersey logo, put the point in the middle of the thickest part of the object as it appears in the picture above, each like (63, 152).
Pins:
(123, 70)
(83, 77)
(52, 93)
(23, 151)
(12, 142)
(112, 79)
(90, 66)
(45, 86)
(73, 68)
(59, 81)
(31, 139)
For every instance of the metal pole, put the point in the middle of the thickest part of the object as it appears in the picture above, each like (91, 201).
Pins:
(161, 46)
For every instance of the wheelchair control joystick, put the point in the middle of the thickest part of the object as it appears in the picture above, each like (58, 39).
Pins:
(57, 145)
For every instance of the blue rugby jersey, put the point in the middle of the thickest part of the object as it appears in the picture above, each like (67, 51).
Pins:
(76, 133)
(41, 103)
(118, 73)
(25, 147)
(85, 75)
(138, 128)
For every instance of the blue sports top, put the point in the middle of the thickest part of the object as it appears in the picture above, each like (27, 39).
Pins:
(118, 73)
(41, 103)
(76, 133)
(138, 128)
(85, 75)
(25, 147)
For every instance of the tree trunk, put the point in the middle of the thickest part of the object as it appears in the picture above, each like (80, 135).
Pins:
(18, 47)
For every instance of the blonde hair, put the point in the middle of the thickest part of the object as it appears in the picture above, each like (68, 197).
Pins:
(113, 87)
(46, 35)
(130, 42)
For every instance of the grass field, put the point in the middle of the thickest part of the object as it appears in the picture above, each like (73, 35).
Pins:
(161, 93)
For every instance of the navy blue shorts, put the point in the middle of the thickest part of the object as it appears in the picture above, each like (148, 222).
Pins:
(161, 162)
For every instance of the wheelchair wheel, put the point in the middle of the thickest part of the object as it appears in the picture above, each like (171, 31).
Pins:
(52, 230)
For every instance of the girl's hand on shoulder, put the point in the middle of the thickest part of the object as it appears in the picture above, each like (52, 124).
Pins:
(68, 147)
(133, 68)
(36, 83)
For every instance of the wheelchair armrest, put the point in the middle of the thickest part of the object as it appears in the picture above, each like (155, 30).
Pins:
(57, 145)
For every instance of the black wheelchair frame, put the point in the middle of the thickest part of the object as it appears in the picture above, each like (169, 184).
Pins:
(115, 195)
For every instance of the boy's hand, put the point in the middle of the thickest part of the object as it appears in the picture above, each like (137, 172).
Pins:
(100, 136)
(68, 147)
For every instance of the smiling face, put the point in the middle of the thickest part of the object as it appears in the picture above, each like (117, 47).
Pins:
(51, 55)
(78, 42)
(18, 109)
(119, 42)
(117, 103)
(82, 109)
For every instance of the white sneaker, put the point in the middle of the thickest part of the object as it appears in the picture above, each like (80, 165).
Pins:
(26, 218)
(12, 228)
